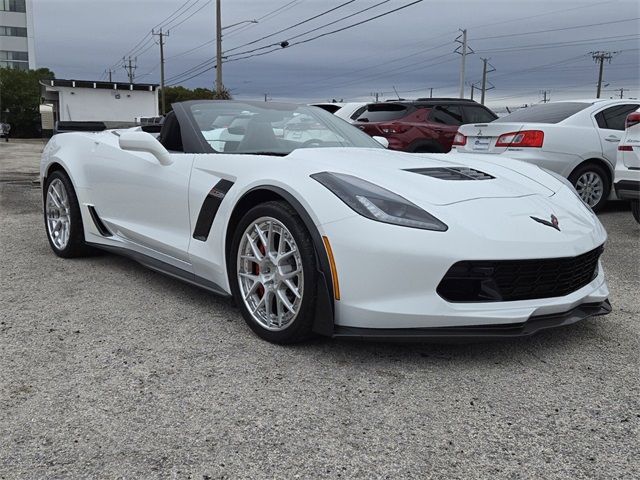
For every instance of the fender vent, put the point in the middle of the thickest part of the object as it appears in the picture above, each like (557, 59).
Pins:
(102, 228)
(452, 173)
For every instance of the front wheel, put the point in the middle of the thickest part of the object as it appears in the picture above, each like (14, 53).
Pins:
(62, 217)
(273, 274)
(635, 209)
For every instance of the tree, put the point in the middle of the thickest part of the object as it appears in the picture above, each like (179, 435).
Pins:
(20, 99)
(182, 94)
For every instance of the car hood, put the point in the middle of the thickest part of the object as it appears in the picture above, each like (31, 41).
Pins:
(432, 178)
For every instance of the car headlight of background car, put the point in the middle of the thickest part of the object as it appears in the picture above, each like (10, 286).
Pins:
(377, 203)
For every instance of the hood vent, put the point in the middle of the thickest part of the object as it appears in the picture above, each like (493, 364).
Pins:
(452, 173)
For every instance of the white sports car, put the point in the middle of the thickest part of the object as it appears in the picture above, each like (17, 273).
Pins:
(334, 236)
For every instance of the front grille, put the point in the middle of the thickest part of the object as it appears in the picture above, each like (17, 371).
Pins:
(452, 173)
(509, 280)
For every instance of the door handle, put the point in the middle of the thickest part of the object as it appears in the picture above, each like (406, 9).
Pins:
(612, 138)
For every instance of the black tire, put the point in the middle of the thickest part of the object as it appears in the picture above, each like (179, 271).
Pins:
(75, 246)
(635, 209)
(300, 327)
(599, 170)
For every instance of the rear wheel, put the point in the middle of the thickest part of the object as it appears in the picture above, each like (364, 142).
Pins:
(592, 184)
(272, 273)
(635, 209)
(62, 217)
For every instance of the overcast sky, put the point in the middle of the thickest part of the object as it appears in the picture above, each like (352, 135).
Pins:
(410, 50)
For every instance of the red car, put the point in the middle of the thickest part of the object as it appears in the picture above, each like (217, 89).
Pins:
(424, 125)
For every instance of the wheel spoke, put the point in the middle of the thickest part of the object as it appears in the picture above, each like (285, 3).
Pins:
(254, 248)
(285, 301)
(53, 199)
(290, 285)
(263, 239)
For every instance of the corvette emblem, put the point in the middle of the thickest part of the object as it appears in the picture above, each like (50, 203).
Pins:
(554, 223)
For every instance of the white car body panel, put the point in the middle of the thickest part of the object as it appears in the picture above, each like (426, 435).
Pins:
(348, 110)
(388, 274)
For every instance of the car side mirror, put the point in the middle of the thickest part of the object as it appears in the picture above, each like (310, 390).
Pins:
(137, 141)
(382, 141)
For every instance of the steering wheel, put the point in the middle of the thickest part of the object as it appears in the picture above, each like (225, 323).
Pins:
(314, 142)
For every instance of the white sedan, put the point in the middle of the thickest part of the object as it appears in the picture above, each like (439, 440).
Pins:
(627, 181)
(333, 236)
(578, 139)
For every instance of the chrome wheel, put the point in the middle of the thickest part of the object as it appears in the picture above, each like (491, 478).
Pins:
(590, 187)
(58, 213)
(270, 273)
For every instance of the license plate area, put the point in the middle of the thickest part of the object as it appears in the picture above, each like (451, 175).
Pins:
(481, 143)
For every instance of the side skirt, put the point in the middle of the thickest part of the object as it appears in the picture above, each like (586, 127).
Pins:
(165, 268)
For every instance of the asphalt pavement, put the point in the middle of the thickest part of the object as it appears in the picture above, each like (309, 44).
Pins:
(109, 370)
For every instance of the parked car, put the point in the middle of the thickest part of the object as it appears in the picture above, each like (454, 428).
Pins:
(342, 238)
(577, 139)
(331, 107)
(627, 176)
(351, 111)
(424, 125)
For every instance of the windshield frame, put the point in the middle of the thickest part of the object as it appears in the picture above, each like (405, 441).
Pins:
(194, 140)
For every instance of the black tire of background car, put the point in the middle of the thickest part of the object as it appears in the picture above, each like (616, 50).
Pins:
(635, 209)
(76, 246)
(602, 173)
(300, 328)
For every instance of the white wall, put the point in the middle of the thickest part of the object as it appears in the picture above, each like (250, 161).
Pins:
(98, 104)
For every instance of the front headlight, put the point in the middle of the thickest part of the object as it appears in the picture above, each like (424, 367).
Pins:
(377, 203)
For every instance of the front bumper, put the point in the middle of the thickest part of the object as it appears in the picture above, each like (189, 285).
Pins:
(389, 275)
(534, 325)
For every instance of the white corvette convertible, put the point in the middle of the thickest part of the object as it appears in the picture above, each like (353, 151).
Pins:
(335, 235)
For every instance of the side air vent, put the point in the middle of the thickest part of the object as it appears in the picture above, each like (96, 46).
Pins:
(102, 228)
(452, 173)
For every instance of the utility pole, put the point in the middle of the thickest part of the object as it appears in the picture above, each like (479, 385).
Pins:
(430, 92)
(622, 92)
(218, 50)
(546, 95)
(376, 95)
(473, 87)
(161, 38)
(600, 57)
(485, 62)
(110, 74)
(130, 68)
(463, 49)
(266, 97)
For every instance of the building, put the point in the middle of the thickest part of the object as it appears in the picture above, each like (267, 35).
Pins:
(112, 103)
(17, 48)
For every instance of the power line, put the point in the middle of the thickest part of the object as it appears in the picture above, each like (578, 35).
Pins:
(292, 26)
(312, 30)
(173, 27)
(556, 29)
(331, 32)
(203, 64)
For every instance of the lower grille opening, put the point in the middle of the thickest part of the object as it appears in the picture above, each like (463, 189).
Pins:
(510, 280)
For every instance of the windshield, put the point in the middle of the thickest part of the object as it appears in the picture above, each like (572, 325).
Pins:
(273, 128)
(545, 113)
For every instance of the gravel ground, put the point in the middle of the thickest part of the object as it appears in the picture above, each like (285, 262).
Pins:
(109, 370)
